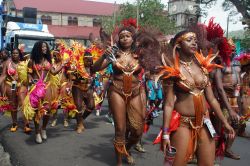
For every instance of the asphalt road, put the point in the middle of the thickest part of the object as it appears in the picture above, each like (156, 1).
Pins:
(65, 147)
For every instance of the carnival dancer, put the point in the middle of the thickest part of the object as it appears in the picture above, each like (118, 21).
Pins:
(106, 83)
(154, 94)
(210, 38)
(244, 60)
(14, 87)
(60, 86)
(82, 85)
(98, 92)
(124, 97)
(187, 88)
(37, 101)
(231, 84)
(4, 56)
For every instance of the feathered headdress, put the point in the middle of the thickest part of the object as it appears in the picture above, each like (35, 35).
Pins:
(129, 22)
(244, 59)
(215, 32)
(95, 52)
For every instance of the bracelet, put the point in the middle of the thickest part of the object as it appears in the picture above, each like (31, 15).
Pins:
(165, 129)
(165, 136)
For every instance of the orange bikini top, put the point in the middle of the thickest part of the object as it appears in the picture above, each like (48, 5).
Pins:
(128, 69)
(182, 82)
(39, 67)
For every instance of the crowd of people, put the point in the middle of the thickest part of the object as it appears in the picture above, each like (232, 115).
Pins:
(191, 78)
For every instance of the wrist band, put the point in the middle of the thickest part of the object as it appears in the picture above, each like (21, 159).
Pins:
(165, 136)
(165, 129)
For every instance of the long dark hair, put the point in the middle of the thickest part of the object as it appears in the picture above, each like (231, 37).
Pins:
(19, 53)
(37, 54)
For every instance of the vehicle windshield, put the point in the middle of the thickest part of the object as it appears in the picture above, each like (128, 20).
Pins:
(27, 44)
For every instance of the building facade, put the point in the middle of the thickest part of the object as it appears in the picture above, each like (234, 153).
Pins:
(65, 18)
(183, 12)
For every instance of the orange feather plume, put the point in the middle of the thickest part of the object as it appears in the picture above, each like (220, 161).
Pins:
(206, 62)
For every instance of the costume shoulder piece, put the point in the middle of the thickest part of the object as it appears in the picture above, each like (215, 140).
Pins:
(168, 71)
(206, 62)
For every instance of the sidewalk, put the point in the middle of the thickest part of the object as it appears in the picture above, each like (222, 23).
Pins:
(4, 157)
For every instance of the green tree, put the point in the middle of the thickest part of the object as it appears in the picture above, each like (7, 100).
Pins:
(152, 14)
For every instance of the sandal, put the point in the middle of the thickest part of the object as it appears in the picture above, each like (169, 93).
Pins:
(130, 160)
(14, 128)
(79, 128)
(27, 129)
(140, 148)
(231, 155)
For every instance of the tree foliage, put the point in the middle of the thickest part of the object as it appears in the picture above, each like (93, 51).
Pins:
(152, 14)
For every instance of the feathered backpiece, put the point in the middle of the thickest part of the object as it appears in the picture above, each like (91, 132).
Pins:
(148, 50)
(214, 33)
(244, 59)
(95, 51)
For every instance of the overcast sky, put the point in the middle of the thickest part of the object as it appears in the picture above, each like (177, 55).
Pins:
(216, 11)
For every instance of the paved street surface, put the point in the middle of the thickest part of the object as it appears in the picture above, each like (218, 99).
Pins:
(65, 147)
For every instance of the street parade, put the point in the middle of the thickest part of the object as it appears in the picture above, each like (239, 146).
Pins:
(183, 95)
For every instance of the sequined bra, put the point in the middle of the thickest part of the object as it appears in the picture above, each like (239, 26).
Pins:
(182, 82)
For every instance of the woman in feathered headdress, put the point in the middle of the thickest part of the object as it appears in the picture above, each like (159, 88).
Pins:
(60, 86)
(81, 75)
(186, 88)
(124, 97)
(211, 39)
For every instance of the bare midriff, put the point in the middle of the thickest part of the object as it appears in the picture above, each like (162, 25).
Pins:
(185, 104)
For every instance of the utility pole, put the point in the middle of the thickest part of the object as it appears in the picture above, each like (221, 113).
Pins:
(114, 17)
(137, 13)
(227, 25)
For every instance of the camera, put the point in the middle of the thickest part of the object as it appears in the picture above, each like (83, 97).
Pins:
(114, 49)
(13, 85)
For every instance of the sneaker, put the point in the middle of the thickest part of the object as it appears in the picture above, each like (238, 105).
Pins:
(39, 138)
(97, 112)
(43, 134)
(65, 123)
(110, 119)
(53, 124)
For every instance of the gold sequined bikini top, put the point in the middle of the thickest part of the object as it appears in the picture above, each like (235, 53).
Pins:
(182, 82)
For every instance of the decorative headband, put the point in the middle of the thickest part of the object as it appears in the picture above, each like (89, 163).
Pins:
(124, 32)
(185, 36)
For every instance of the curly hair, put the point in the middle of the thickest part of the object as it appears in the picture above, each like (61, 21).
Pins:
(19, 53)
(37, 54)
